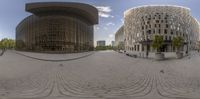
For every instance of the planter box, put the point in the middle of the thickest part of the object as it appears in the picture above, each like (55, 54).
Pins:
(159, 56)
(179, 55)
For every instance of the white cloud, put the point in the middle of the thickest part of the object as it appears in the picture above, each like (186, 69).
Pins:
(104, 11)
(105, 28)
(105, 15)
(109, 40)
(110, 23)
(111, 35)
(104, 8)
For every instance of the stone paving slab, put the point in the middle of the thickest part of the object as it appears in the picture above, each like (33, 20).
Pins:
(102, 75)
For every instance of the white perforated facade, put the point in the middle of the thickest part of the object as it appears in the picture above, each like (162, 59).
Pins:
(141, 24)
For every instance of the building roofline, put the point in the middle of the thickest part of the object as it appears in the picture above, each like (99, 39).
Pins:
(85, 10)
(156, 5)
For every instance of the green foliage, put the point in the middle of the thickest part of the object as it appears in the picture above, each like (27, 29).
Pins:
(157, 42)
(7, 43)
(104, 48)
(177, 42)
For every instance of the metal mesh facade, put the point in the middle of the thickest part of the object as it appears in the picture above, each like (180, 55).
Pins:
(142, 23)
(55, 33)
(119, 36)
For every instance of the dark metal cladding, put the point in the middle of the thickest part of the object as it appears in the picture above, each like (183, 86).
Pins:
(84, 10)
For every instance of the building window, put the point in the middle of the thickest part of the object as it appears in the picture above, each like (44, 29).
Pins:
(149, 16)
(142, 48)
(165, 37)
(135, 47)
(167, 25)
(159, 31)
(157, 21)
(171, 32)
(166, 16)
(149, 31)
(165, 31)
(170, 38)
(142, 27)
(155, 25)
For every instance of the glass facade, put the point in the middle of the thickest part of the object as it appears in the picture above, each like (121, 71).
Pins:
(55, 33)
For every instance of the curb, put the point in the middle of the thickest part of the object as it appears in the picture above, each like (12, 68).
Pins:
(55, 60)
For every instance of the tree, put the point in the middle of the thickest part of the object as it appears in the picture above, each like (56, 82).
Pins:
(158, 42)
(7, 43)
(177, 42)
(104, 48)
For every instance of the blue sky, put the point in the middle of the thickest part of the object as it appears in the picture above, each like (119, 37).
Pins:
(110, 17)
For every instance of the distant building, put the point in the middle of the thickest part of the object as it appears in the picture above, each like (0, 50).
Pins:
(101, 43)
(119, 38)
(112, 43)
(141, 24)
(57, 27)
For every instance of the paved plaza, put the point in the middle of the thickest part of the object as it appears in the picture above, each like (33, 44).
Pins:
(97, 75)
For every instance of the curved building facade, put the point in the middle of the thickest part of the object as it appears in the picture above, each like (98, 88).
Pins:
(119, 35)
(119, 38)
(57, 27)
(143, 23)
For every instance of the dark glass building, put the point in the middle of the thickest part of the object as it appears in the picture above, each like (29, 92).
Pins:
(57, 27)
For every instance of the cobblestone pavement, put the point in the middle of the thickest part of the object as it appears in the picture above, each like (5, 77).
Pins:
(102, 75)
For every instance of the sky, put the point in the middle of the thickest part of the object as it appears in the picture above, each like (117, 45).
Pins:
(110, 14)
